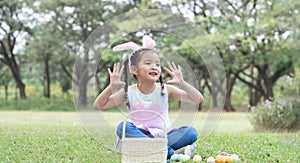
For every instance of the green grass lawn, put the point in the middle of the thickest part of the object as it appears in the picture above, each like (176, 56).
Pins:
(28, 136)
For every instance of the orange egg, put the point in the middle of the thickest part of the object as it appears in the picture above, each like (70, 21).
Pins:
(228, 159)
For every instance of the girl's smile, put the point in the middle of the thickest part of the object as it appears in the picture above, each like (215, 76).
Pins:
(153, 73)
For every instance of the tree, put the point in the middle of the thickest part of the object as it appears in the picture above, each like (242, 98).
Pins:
(74, 21)
(236, 28)
(12, 28)
(44, 48)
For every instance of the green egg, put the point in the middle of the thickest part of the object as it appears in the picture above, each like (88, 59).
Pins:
(184, 158)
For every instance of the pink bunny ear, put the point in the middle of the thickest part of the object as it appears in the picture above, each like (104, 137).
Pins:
(148, 42)
(128, 45)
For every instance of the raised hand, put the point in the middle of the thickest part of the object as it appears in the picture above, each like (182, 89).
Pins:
(175, 72)
(115, 75)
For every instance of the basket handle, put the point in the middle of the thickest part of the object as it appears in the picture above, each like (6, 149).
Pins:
(138, 111)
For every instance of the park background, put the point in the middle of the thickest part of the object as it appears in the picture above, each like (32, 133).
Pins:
(257, 40)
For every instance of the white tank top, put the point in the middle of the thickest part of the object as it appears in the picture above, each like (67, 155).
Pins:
(154, 102)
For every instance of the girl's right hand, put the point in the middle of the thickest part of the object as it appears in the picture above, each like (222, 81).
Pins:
(115, 75)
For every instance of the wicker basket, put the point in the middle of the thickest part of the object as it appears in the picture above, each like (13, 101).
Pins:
(144, 150)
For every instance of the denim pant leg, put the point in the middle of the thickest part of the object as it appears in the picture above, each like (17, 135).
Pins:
(181, 137)
(131, 131)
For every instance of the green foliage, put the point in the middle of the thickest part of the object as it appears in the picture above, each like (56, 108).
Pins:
(282, 114)
(238, 90)
(64, 82)
(59, 101)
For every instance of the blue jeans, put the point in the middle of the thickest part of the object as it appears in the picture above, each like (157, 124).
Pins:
(177, 138)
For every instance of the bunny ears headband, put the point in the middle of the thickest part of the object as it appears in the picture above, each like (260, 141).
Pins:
(148, 43)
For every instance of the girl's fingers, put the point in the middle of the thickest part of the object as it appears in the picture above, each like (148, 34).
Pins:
(118, 67)
(114, 69)
(109, 71)
(121, 70)
(170, 66)
(174, 66)
(168, 71)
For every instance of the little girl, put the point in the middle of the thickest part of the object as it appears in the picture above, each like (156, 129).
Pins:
(147, 94)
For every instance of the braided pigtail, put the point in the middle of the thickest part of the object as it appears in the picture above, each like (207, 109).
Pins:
(162, 85)
(126, 80)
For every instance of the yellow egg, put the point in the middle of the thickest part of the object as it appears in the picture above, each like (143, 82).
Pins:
(197, 158)
(220, 159)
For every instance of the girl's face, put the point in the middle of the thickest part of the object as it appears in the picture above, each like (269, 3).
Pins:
(148, 68)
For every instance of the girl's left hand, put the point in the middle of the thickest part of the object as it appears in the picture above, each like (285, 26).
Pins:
(175, 72)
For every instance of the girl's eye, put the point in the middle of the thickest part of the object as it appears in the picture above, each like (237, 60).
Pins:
(158, 65)
(147, 63)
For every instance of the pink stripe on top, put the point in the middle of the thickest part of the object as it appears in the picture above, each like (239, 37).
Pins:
(154, 102)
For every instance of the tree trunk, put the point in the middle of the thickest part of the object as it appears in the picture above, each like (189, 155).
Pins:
(98, 84)
(82, 78)
(201, 88)
(47, 79)
(269, 89)
(19, 82)
(252, 92)
(252, 96)
(80, 81)
(266, 84)
(214, 92)
(214, 97)
(229, 86)
(82, 94)
(6, 91)
(255, 96)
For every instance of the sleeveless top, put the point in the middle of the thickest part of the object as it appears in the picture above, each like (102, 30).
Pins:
(153, 101)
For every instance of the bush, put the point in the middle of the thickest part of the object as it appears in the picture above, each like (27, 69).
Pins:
(59, 101)
(282, 114)
(38, 104)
